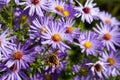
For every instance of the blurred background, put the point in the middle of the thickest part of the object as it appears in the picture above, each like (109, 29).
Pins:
(112, 6)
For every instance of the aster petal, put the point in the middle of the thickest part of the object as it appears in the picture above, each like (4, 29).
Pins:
(10, 63)
(32, 10)
(39, 11)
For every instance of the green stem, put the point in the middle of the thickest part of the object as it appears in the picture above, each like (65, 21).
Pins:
(11, 14)
(5, 9)
(3, 21)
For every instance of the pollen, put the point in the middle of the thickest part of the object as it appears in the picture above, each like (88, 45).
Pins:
(108, 21)
(35, 2)
(43, 29)
(17, 55)
(111, 61)
(59, 9)
(69, 30)
(87, 44)
(86, 10)
(65, 13)
(52, 60)
(107, 36)
(56, 38)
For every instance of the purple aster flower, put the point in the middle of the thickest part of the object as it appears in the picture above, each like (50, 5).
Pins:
(113, 60)
(35, 6)
(98, 68)
(71, 31)
(110, 35)
(107, 19)
(5, 39)
(87, 12)
(12, 73)
(57, 6)
(54, 36)
(20, 56)
(90, 43)
(38, 26)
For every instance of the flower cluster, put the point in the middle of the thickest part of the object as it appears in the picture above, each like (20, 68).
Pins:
(50, 40)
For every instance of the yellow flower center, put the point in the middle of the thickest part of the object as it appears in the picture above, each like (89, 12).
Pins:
(87, 44)
(108, 21)
(83, 71)
(56, 38)
(111, 61)
(107, 36)
(47, 77)
(59, 8)
(65, 13)
(17, 55)
(69, 30)
(23, 19)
